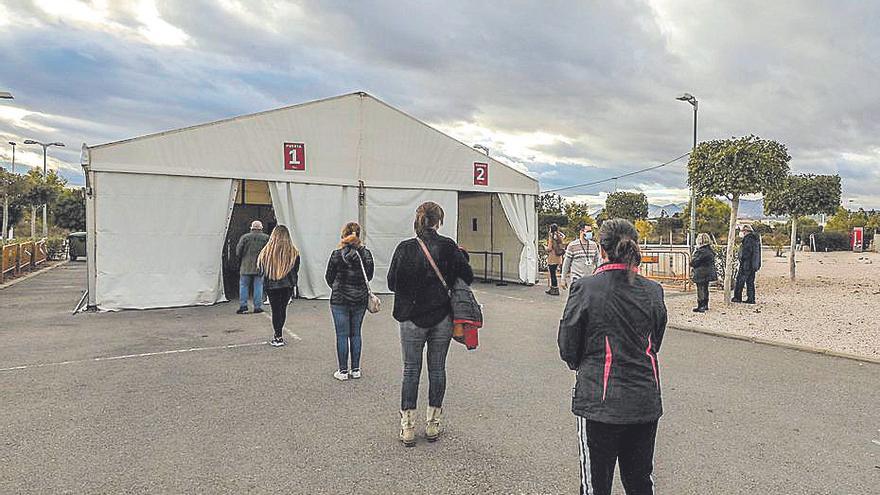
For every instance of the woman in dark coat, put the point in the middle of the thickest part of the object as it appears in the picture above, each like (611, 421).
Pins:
(348, 270)
(703, 271)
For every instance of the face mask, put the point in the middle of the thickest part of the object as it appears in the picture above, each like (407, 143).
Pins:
(588, 235)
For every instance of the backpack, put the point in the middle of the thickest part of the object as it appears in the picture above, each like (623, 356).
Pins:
(558, 248)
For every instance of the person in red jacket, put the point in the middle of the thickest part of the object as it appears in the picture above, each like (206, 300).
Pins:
(610, 334)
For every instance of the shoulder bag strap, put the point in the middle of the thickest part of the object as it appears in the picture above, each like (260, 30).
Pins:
(433, 265)
(364, 271)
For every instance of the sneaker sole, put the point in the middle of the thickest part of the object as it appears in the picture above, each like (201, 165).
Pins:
(432, 439)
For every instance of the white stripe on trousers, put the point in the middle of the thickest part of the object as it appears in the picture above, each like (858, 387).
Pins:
(584, 449)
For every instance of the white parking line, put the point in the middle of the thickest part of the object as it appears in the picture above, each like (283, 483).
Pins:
(292, 335)
(130, 356)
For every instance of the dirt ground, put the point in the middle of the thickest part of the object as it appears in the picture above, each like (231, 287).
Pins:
(834, 304)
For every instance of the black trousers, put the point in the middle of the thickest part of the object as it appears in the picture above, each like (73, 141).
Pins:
(745, 278)
(278, 299)
(553, 281)
(603, 445)
(703, 293)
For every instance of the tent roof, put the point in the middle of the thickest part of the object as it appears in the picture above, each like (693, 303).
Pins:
(346, 138)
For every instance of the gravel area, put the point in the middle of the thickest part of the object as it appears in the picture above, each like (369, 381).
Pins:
(834, 304)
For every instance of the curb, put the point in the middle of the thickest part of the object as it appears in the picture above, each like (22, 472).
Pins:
(774, 343)
(33, 274)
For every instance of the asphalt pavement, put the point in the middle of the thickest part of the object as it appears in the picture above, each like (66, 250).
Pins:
(192, 400)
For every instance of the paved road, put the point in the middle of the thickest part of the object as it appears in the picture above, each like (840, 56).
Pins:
(740, 418)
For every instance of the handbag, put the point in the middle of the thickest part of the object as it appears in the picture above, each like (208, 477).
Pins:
(463, 331)
(374, 304)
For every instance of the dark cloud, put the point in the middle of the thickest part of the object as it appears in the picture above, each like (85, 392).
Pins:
(599, 76)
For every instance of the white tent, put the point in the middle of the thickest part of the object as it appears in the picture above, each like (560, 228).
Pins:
(158, 206)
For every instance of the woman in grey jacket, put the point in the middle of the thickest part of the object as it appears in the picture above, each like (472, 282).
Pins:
(348, 270)
(610, 334)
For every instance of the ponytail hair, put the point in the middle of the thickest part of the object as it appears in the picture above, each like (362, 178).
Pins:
(429, 215)
(620, 241)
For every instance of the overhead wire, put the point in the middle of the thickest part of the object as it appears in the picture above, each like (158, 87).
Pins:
(615, 178)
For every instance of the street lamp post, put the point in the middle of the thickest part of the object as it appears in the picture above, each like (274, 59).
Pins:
(693, 220)
(45, 174)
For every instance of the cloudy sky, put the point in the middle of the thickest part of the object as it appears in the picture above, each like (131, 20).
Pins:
(570, 91)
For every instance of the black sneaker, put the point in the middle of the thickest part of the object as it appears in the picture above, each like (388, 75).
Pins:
(258, 310)
(735, 300)
(241, 311)
(277, 342)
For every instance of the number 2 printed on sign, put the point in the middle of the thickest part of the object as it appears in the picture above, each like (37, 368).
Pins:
(481, 174)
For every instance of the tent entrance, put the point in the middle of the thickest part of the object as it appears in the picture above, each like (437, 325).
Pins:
(485, 232)
(252, 202)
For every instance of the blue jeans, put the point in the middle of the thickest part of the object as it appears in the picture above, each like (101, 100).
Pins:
(244, 282)
(348, 321)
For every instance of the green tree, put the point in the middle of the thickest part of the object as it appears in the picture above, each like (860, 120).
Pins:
(732, 168)
(713, 216)
(667, 226)
(40, 191)
(799, 196)
(577, 214)
(12, 187)
(70, 210)
(628, 205)
(551, 203)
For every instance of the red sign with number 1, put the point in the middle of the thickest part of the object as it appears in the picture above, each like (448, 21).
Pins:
(481, 174)
(294, 156)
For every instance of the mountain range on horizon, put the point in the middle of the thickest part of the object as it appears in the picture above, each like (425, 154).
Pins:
(749, 209)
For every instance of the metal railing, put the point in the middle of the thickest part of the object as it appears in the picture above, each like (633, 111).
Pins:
(21, 257)
(667, 266)
(486, 255)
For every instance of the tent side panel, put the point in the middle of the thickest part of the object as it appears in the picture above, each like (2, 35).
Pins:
(251, 147)
(158, 240)
(315, 215)
(389, 220)
(399, 151)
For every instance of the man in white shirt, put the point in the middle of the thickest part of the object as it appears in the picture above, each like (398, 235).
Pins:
(581, 257)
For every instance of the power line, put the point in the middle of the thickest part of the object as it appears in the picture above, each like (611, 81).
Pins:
(629, 174)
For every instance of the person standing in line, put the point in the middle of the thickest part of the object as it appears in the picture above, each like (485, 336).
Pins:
(422, 306)
(703, 271)
(749, 264)
(279, 263)
(555, 251)
(247, 250)
(349, 269)
(581, 256)
(610, 333)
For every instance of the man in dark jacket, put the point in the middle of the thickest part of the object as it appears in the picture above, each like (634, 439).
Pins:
(247, 250)
(749, 264)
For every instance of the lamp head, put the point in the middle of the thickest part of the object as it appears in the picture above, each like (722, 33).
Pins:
(13, 143)
(57, 144)
(30, 141)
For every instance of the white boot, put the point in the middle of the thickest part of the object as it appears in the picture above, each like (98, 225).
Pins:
(408, 427)
(432, 423)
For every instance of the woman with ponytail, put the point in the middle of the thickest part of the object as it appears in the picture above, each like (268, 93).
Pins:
(610, 334)
(348, 271)
(422, 306)
(279, 263)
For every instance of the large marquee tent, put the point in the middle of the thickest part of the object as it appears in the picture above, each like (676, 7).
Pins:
(161, 208)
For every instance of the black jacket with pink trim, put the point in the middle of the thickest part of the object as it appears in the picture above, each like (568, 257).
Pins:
(610, 334)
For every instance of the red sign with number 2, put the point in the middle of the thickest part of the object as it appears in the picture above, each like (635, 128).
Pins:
(481, 174)
(294, 156)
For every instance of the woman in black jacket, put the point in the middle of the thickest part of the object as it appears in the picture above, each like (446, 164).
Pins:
(348, 270)
(422, 306)
(703, 271)
(610, 334)
(278, 261)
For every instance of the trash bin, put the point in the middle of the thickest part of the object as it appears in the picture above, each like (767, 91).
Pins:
(76, 245)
